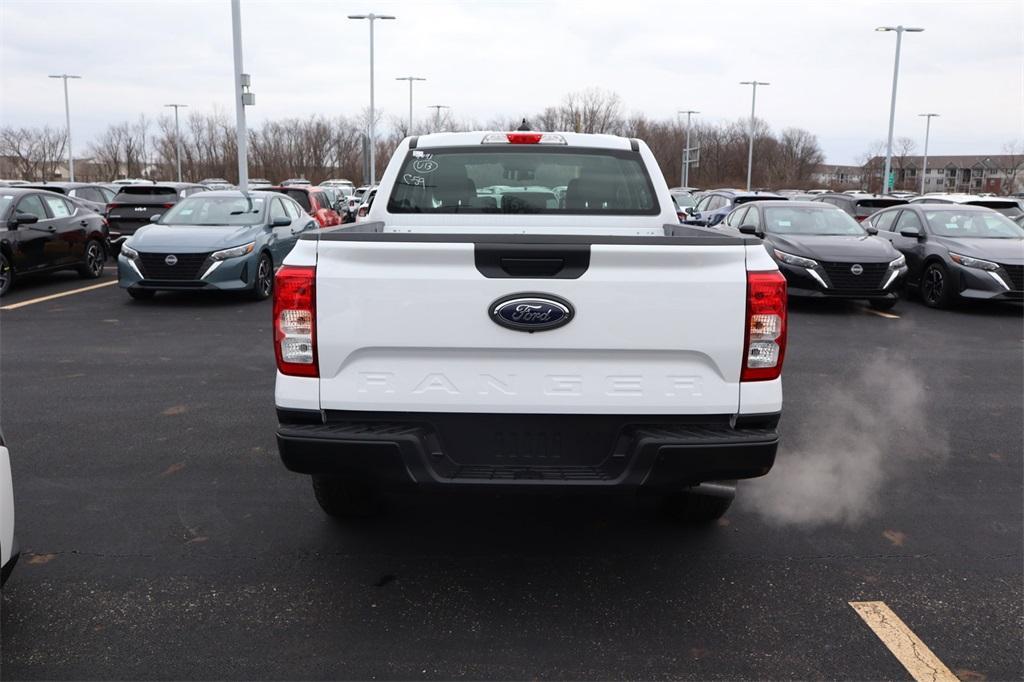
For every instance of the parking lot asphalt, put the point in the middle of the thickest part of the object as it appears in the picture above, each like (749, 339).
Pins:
(162, 538)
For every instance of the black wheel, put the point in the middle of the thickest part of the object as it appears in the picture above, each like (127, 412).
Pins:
(345, 498)
(6, 274)
(936, 287)
(883, 303)
(95, 258)
(695, 506)
(263, 285)
(141, 294)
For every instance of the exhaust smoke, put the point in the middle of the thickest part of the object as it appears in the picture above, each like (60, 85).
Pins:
(856, 436)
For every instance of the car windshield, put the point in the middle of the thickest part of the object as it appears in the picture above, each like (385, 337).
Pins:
(216, 211)
(975, 224)
(520, 179)
(807, 220)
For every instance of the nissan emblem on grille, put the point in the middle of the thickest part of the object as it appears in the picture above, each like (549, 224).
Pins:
(857, 269)
(171, 259)
(531, 312)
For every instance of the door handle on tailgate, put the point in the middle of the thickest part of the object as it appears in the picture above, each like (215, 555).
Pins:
(532, 261)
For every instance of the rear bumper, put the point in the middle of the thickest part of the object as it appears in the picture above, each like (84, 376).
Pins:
(542, 451)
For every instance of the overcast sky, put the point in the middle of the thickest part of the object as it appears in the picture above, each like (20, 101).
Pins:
(830, 72)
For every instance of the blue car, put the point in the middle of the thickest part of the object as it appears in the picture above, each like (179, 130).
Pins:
(713, 206)
(223, 240)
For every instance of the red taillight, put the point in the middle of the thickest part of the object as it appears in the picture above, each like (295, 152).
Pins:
(860, 218)
(764, 345)
(168, 205)
(363, 211)
(295, 321)
(681, 216)
(524, 138)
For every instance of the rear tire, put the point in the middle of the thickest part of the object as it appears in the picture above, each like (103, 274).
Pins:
(936, 286)
(263, 283)
(883, 303)
(693, 507)
(346, 498)
(6, 274)
(95, 259)
(141, 294)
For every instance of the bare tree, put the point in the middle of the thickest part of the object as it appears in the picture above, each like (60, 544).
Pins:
(1013, 159)
(34, 153)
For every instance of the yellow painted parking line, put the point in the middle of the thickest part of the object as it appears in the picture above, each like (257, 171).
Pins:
(880, 313)
(910, 651)
(43, 299)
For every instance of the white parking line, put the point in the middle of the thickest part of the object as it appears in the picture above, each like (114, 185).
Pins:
(908, 649)
(43, 299)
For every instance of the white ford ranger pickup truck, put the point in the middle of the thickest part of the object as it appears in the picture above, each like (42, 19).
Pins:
(523, 310)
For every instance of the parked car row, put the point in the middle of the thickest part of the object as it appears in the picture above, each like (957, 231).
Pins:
(944, 251)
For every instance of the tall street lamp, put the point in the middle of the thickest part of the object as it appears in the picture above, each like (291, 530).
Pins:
(373, 147)
(927, 132)
(410, 79)
(686, 150)
(67, 120)
(243, 98)
(750, 151)
(892, 106)
(177, 136)
(437, 114)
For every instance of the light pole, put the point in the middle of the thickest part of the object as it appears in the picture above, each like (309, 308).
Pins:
(437, 114)
(243, 98)
(892, 106)
(67, 120)
(373, 147)
(410, 79)
(927, 132)
(177, 136)
(686, 150)
(750, 151)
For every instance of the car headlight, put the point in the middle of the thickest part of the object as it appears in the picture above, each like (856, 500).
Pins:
(969, 262)
(233, 252)
(900, 261)
(798, 261)
(128, 252)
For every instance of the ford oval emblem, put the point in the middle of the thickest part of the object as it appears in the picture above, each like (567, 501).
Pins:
(531, 312)
(171, 259)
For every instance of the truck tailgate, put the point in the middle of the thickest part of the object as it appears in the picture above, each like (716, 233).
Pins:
(405, 326)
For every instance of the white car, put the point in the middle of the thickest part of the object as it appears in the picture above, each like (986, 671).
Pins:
(8, 543)
(1008, 206)
(478, 331)
(345, 187)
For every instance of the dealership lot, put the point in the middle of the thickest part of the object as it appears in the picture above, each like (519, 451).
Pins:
(162, 538)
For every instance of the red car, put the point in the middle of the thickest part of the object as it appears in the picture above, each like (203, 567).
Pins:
(314, 200)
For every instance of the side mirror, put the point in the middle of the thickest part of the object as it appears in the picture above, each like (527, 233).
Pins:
(911, 233)
(691, 211)
(24, 219)
(155, 218)
(750, 229)
(281, 221)
(871, 230)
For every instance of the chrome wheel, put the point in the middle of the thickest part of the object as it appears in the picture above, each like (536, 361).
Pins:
(933, 286)
(95, 259)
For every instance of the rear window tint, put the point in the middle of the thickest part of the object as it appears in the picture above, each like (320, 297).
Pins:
(523, 179)
(147, 191)
(743, 200)
(302, 197)
(866, 207)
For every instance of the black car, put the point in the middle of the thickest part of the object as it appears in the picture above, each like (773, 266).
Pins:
(823, 252)
(134, 205)
(42, 232)
(859, 206)
(714, 205)
(91, 196)
(956, 252)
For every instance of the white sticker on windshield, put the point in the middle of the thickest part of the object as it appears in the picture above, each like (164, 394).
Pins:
(421, 154)
(186, 211)
(952, 226)
(785, 223)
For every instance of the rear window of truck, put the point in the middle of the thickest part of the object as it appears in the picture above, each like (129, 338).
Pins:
(523, 180)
